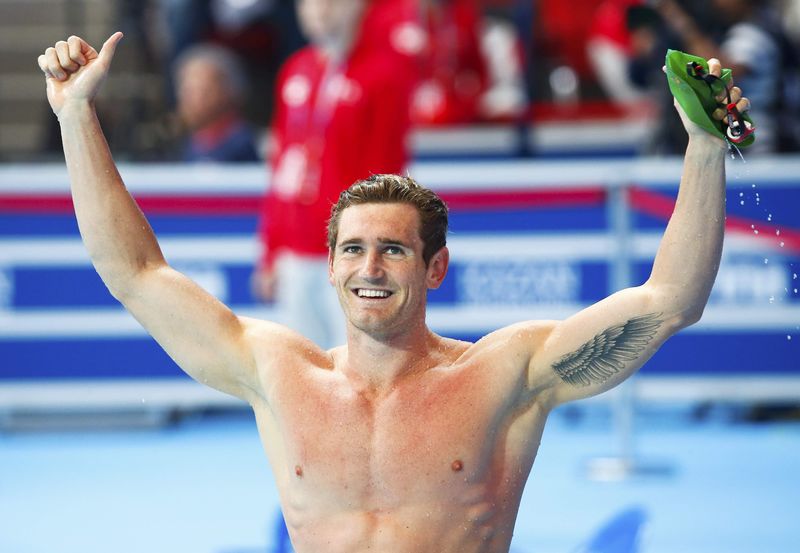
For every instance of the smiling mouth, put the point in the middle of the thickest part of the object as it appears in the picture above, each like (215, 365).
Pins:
(371, 293)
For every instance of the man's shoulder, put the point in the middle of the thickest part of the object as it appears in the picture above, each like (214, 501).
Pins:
(512, 342)
(277, 345)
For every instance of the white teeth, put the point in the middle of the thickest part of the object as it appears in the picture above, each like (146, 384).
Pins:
(363, 293)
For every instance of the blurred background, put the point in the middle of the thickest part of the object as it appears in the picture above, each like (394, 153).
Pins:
(547, 127)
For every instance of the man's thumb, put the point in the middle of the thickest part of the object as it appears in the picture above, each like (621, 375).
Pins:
(109, 47)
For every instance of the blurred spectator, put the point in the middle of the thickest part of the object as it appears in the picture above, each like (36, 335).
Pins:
(502, 48)
(454, 69)
(790, 15)
(261, 33)
(562, 31)
(210, 88)
(609, 49)
(755, 46)
(472, 65)
(341, 114)
(649, 39)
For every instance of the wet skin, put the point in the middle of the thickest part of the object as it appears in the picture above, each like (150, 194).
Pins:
(429, 456)
(436, 463)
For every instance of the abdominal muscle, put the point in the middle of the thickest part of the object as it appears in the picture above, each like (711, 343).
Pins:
(418, 528)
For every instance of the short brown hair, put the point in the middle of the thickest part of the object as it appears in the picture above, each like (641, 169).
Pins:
(396, 189)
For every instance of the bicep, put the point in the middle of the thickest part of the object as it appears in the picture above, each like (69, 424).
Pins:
(202, 335)
(599, 347)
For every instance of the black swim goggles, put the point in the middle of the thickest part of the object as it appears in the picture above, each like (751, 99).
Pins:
(738, 128)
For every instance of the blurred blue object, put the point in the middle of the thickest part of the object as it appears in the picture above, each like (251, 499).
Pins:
(281, 539)
(621, 534)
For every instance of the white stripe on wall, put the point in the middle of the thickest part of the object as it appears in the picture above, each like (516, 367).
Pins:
(243, 249)
(463, 319)
(484, 176)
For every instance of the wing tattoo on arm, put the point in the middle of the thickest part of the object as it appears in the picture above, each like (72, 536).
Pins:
(607, 353)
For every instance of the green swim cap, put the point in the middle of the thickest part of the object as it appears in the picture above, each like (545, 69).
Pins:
(696, 97)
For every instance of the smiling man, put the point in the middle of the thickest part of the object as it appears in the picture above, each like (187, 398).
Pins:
(399, 441)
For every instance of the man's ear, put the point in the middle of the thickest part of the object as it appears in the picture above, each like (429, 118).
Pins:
(330, 266)
(437, 268)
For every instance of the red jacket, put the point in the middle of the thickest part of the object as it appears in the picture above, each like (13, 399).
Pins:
(327, 140)
(455, 75)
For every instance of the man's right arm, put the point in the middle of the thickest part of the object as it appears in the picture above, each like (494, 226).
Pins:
(201, 334)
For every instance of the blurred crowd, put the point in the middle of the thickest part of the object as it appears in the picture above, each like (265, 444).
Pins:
(468, 61)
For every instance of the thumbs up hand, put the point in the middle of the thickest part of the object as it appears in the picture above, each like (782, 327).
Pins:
(74, 70)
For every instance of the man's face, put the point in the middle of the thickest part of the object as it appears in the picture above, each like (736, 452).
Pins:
(325, 21)
(202, 93)
(378, 269)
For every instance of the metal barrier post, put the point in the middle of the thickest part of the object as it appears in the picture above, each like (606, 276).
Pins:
(625, 464)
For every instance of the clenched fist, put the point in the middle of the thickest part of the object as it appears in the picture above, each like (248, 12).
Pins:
(74, 70)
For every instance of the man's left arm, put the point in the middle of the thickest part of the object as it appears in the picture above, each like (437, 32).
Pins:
(602, 345)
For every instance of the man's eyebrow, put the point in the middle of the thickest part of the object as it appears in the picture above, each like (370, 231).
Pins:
(383, 241)
(393, 242)
(349, 241)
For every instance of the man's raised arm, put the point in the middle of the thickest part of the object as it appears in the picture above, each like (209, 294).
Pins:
(602, 345)
(201, 334)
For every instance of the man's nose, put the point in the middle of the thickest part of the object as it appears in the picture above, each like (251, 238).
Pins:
(372, 267)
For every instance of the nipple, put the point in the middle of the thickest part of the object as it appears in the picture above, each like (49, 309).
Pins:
(457, 465)
(298, 470)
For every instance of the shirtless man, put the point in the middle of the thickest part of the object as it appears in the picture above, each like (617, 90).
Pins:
(401, 441)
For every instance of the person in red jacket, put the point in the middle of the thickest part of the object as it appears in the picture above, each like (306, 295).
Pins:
(455, 73)
(341, 114)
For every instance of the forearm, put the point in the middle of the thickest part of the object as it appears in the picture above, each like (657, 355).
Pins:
(688, 258)
(117, 236)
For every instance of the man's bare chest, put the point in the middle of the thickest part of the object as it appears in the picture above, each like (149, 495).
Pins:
(436, 437)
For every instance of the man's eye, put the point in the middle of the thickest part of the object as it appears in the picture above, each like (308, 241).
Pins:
(351, 249)
(393, 250)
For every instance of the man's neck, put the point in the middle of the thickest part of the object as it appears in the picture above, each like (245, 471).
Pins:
(375, 364)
